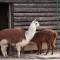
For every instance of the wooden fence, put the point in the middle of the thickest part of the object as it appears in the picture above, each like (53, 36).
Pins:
(48, 12)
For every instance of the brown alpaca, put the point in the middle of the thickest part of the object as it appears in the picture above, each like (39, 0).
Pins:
(11, 37)
(48, 36)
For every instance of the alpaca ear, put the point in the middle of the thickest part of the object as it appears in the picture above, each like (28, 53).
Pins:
(34, 19)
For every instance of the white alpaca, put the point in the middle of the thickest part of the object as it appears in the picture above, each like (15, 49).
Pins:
(29, 34)
(4, 45)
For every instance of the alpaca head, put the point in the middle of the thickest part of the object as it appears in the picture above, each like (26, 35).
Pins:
(32, 30)
(36, 23)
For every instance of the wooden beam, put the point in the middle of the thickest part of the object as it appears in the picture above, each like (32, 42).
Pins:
(10, 16)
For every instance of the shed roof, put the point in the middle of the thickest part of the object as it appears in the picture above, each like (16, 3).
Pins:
(27, 1)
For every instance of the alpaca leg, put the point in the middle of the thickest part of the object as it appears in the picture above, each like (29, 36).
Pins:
(54, 43)
(4, 45)
(52, 46)
(38, 48)
(22, 50)
(48, 48)
(40, 45)
(4, 50)
(18, 50)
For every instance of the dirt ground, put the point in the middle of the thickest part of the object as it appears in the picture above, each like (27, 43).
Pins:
(34, 56)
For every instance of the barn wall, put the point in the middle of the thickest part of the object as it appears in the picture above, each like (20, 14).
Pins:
(48, 12)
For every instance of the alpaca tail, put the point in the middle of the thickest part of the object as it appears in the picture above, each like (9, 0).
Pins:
(55, 36)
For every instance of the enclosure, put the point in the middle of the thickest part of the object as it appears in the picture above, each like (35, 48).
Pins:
(20, 13)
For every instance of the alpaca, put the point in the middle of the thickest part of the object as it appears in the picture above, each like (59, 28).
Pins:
(46, 35)
(11, 37)
(19, 38)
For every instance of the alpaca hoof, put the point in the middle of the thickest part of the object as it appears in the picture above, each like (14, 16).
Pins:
(18, 56)
(51, 53)
(38, 53)
(6, 56)
(46, 53)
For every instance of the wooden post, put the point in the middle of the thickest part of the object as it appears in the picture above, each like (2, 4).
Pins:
(10, 16)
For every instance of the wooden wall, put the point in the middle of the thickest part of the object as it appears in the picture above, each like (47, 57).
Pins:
(48, 12)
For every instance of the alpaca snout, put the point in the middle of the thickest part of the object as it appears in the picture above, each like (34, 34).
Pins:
(38, 25)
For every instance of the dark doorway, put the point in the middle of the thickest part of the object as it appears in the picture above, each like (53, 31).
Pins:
(4, 15)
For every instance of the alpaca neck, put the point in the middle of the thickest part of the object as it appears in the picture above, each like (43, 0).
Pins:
(31, 32)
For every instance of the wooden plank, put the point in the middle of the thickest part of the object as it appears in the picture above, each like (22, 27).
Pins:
(52, 5)
(58, 9)
(26, 20)
(41, 23)
(59, 5)
(58, 14)
(28, 1)
(41, 19)
(4, 0)
(41, 10)
(59, 0)
(32, 1)
(41, 27)
(34, 14)
(58, 37)
(57, 31)
(58, 46)
(58, 42)
(22, 23)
